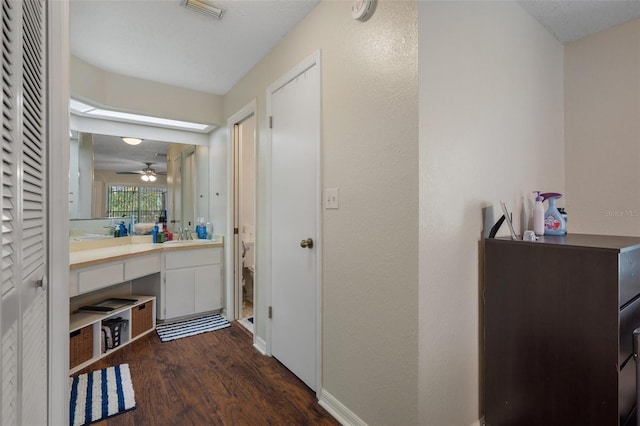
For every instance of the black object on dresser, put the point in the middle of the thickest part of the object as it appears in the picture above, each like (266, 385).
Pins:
(559, 316)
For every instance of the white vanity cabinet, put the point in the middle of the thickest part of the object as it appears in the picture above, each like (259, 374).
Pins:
(192, 282)
(94, 277)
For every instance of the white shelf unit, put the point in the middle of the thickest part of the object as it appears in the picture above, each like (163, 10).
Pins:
(80, 322)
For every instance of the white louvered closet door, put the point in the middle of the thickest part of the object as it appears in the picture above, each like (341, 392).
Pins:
(23, 307)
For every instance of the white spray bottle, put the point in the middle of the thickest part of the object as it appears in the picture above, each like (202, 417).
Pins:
(538, 215)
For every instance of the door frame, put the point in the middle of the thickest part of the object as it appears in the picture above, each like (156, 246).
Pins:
(233, 247)
(58, 86)
(315, 59)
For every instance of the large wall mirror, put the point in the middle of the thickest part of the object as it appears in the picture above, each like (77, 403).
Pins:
(108, 178)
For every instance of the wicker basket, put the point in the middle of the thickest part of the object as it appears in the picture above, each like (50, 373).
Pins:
(141, 318)
(81, 346)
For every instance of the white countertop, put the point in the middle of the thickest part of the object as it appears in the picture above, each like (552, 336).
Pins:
(94, 256)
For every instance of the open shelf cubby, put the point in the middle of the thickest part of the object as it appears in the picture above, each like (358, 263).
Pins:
(85, 330)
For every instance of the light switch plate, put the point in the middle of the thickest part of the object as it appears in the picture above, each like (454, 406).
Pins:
(331, 198)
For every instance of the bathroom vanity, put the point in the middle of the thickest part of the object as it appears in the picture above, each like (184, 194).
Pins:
(168, 281)
(190, 281)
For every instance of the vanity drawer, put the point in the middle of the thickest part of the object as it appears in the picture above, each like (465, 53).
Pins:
(141, 266)
(629, 275)
(96, 278)
(629, 321)
(190, 258)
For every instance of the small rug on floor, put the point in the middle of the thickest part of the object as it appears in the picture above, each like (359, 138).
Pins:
(100, 394)
(177, 330)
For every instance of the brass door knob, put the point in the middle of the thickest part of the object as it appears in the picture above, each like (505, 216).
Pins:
(308, 243)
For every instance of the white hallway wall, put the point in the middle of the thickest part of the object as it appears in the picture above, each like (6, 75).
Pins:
(602, 86)
(491, 128)
(370, 150)
(490, 111)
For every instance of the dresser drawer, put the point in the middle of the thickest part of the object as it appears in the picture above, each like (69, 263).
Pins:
(629, 275)
(626, 390)
(629, 321)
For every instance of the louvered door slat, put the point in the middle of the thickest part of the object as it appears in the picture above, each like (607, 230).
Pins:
(9, 376)
(10, 334)
(23, 186)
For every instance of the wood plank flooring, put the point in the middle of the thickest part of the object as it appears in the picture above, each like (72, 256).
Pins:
(214, 378)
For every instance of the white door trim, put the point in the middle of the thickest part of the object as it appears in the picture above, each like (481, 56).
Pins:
(312, 60)
(58, 227)
(230, 306)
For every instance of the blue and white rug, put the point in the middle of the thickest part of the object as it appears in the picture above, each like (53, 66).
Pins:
(100, 394)
(191, 327)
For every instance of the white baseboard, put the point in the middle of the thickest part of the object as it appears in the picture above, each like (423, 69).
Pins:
(260, 345)
(339, 411)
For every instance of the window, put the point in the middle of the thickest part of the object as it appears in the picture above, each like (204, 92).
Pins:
(145, 202)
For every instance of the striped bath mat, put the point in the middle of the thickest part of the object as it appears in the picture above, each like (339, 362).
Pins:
(100, 394)
(177, 330)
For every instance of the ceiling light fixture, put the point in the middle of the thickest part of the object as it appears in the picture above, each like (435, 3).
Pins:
(131, 141)
(203, 6)
(148, 174)
(148, 177)
(84, 109)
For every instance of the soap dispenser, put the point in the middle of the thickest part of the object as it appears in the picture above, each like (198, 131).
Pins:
(122, 230)
(554, 223)
(538, 215)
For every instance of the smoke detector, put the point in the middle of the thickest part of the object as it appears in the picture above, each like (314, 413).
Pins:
(204, 6)
(362, 9)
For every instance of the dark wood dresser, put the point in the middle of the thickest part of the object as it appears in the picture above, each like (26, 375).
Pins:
(558, 320)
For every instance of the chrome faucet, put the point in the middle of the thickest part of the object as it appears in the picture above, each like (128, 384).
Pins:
(187, 234)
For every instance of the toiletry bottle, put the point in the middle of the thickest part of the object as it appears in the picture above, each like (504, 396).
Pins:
(538, 215)
(554, 223)
(154, 234)
(201, 229)
(123, 230)
(132, 225)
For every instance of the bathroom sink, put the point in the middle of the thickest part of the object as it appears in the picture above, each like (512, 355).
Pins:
(88, 237)
(189, 242)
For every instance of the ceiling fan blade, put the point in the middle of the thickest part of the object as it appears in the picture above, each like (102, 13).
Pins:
(129, 173)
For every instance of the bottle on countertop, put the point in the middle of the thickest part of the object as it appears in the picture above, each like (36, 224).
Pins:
(538, 215)
(132, 225)
(201, 229)
(154, 234)
(554, 223)
(122, 230)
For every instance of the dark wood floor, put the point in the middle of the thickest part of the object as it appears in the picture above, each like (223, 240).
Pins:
(215, 378)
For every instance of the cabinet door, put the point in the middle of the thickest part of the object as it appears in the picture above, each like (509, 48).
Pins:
(179, 298)
(208, 288)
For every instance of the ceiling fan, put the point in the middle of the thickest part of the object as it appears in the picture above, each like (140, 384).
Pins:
(148, 173)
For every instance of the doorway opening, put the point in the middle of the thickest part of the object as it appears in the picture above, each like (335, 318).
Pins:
(244, 219)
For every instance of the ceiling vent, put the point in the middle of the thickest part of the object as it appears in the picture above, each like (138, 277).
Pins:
(203, 6)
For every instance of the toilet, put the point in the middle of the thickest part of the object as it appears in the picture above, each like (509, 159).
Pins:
(248, 261)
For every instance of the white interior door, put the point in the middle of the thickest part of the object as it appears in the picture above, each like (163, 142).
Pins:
(295, 199)
(23, 306)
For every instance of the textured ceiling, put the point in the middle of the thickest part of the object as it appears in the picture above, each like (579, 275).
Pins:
(572, 20)
(163, 41)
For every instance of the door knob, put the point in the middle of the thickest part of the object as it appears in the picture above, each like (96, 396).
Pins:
(43, 283)
(308, 243)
